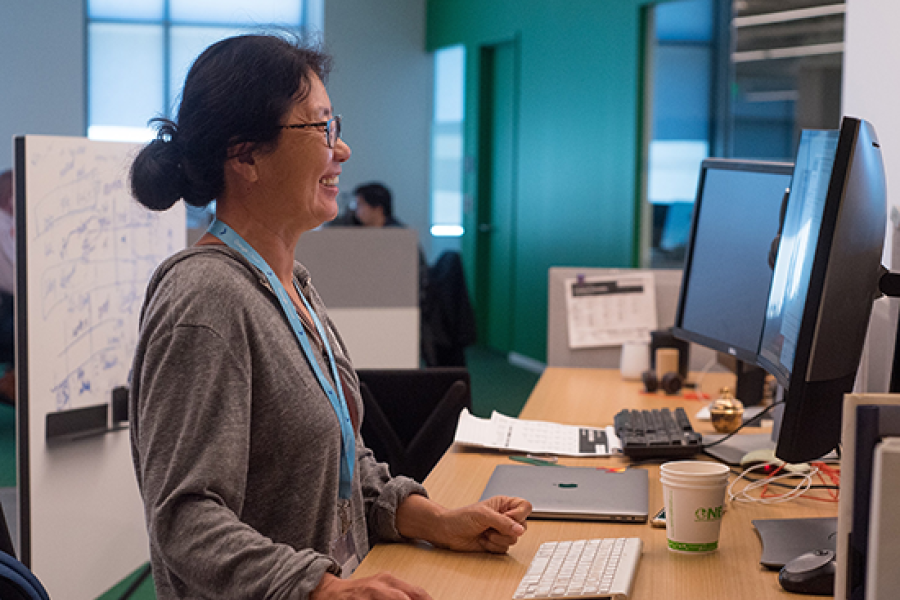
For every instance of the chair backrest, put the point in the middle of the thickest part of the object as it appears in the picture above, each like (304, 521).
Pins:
(411, 415)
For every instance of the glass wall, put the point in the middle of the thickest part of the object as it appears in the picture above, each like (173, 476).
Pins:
(682, 57)
(734, 79)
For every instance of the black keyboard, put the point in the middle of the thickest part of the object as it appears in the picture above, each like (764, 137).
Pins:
(657, 433)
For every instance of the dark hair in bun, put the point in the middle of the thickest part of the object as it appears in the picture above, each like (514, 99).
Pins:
(237, 91)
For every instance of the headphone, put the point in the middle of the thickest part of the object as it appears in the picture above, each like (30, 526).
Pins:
(671, 382)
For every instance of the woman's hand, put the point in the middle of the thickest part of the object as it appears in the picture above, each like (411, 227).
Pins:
(492, 525)
(383, 586)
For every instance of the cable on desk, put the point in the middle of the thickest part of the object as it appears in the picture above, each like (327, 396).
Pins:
(820, 470)
(823, 487)
(795, 491)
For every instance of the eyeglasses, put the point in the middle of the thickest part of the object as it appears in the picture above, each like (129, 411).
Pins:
(332, 129)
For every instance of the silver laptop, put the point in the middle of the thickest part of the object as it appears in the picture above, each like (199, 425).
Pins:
(574, 493)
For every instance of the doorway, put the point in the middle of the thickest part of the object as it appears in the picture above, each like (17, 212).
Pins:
(496, 195)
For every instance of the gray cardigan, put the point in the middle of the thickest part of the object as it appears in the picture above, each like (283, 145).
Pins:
(236, 448)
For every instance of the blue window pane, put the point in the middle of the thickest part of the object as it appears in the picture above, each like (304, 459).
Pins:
(133, 9)
(447, 142)
(449, 88)
(186, 45)
(125, 74)
(681, 92)
(673, 169)
(685, 21)
(241, 12)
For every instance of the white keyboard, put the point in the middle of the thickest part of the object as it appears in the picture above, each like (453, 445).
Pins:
(601, 568)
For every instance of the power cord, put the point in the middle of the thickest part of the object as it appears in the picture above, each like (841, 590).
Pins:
(795, 491)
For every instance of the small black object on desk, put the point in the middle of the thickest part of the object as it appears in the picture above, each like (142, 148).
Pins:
(810, 573)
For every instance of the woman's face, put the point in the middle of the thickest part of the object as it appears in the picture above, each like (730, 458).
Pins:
(300, 175)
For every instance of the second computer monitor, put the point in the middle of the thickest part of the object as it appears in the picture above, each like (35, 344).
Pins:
(727, 273)
(827, 275)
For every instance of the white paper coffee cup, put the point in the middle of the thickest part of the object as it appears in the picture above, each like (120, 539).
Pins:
(695, 471)
(694, 509)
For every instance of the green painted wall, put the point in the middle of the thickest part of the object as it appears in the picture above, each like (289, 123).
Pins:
(577, 196)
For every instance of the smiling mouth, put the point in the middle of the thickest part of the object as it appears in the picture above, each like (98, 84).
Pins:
(329, 180)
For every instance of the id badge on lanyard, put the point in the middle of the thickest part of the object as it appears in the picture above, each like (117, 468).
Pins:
(343, 547)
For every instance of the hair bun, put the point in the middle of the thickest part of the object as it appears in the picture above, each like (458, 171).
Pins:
(157, 180)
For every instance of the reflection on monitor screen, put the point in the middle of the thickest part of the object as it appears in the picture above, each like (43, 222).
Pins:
(800, 235)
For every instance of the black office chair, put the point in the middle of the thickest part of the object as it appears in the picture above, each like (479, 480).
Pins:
(411, 415)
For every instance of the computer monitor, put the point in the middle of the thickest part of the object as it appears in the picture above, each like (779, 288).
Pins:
(725, 287)
(826, 276)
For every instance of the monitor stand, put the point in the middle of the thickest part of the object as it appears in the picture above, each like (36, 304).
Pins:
(751, 380)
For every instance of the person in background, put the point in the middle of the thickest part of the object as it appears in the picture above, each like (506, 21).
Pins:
(245, 407)
(7, 288)
(374, 207)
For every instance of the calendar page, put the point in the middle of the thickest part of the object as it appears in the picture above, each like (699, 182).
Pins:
(610, 310)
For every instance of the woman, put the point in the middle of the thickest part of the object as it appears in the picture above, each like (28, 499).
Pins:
(245, 406)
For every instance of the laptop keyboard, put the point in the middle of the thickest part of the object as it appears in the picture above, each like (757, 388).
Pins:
(657, 433)
(598, 568)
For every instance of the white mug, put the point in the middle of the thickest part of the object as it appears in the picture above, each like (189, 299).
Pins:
(635, 359)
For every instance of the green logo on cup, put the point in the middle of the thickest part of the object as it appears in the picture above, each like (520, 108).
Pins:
(704, 515)
(688, 547)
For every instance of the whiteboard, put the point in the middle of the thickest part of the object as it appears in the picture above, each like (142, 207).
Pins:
(85, 252)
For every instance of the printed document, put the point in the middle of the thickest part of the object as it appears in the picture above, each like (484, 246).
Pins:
(540, 437)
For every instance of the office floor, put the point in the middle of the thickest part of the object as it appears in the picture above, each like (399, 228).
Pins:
(496, 385)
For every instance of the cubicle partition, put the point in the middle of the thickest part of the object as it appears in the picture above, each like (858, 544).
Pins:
(559, 353)
(369, 280)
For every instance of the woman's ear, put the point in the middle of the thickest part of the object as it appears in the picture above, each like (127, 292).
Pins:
(241, 161)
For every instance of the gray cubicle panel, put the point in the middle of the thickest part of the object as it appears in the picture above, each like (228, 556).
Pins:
(559, 354)
(369, 280)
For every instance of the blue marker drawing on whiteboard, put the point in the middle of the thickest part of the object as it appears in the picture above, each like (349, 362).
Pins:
(91, 251)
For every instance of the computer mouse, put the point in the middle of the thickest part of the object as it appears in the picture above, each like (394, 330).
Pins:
(767, 456)
(809, 573)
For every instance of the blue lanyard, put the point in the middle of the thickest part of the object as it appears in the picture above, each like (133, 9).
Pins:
(336, 397)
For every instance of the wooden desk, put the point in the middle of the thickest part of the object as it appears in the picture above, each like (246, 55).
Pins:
(590, 397)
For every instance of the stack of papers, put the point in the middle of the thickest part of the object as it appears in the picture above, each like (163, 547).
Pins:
(538, 437)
